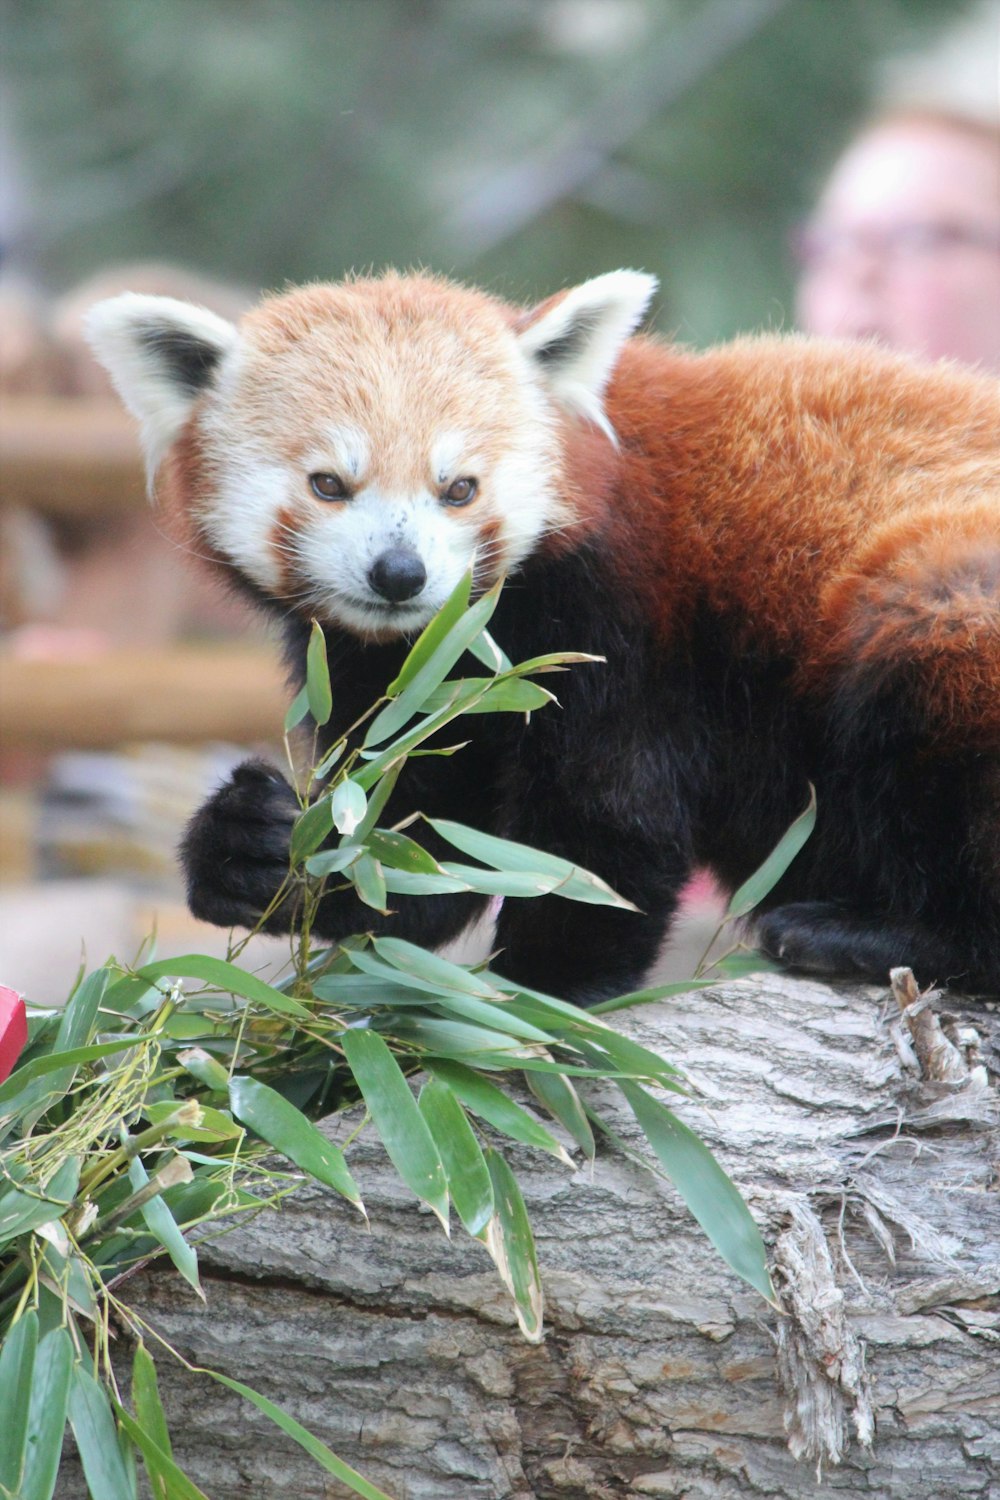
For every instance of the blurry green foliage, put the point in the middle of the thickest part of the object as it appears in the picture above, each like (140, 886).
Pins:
(274, 141)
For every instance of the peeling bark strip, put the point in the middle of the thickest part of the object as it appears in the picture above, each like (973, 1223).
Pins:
(874, 1180)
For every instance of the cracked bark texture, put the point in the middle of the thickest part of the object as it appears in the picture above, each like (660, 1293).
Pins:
(875, 1184)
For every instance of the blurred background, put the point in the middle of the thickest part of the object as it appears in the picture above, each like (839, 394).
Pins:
(214, 150)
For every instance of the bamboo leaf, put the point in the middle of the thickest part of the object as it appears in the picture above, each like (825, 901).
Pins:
(334, 861)
(496, 1107)
(277, 1121)
(17, 1362)
(169, 1482)
(510, 1242)
(753, 891)
(397, 1119)
(432, 635)
(146, 1399)
(485, 649)
(46, 1415)
(229, 978)
(348, 805)
(21, 1212)
(432, 671)
(97, 1440)
(161, 1224)
(310, 829)
(369, 882)
(710, 1195)
(318, 692)
(400, 852)
(561, 1099)
(469, 1181)
(297, 710)
(504, 854)
(323, 1455)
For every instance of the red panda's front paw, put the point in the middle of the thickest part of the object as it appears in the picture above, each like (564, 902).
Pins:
(235, 849)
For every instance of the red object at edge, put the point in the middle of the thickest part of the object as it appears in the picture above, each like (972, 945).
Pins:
(13, 1029)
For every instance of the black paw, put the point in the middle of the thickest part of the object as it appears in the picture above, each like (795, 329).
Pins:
(820, 937)
(235, 850)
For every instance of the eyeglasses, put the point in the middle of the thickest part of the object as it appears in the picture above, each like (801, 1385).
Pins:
(816, 245)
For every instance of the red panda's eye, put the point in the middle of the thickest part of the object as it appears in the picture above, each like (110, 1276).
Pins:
(329, 487)
(460, 492)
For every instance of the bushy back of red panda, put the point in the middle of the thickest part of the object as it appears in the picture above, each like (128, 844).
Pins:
(788, 553)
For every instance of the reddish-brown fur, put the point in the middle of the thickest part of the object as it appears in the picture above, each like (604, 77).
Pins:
(843, 504)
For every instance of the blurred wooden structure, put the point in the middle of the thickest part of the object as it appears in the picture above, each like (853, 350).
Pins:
(66, 457)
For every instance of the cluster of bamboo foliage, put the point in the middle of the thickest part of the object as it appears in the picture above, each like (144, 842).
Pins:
(168, 1098)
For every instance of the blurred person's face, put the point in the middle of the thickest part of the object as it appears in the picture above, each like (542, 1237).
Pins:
(904, 246)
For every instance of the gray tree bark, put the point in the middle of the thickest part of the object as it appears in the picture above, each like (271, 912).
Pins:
(866, 1144)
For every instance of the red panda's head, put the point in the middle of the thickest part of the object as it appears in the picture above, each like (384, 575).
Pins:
(361, 445)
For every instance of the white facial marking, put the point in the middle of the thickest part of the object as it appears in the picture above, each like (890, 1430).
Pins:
(348, 453)
(339, 545)
(452, 457)
(243, 513)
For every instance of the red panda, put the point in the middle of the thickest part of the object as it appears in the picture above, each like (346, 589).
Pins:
(788, 553)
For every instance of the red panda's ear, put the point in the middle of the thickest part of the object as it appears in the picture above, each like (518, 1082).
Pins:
(575, 339)
(161, 354)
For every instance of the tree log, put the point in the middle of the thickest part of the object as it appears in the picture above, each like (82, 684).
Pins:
(873, 1174)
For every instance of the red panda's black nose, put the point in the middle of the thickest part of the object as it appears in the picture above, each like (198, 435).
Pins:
(398, 574)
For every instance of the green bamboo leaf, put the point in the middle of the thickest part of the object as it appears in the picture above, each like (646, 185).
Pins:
(710, 1195)
(80, 1016)
(518, 883)
(46, 1415)
(286, 1128)
(318, 692)
(348, 805)
(369, 882)
(97, 1440)
(510, 1242)
(146, 1399)
(400, 852)
(453, 988)
(475, 1045)
(561, 1099)
(68, 1277)
(378, 762)
(410, 959)
(650, 995)
(317, 1450)
(402, 883)
(753, 891)
(227, 977)
(161, 1224)
(310, 828)
(168, 1481)
(485, 649)
(77, 1027)
(21, 1212)
(13, 1093)
(365, 990)
(206, 1068)
(469, 1181)
(17, 1363)
(214, 1125)
(432, 635)
(334, 861)
(397, 1119)
(504, 854)
(297, 710)
(736, 965)
(433, 671)
(379, 793)
(496, 1107)
(508, 695)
